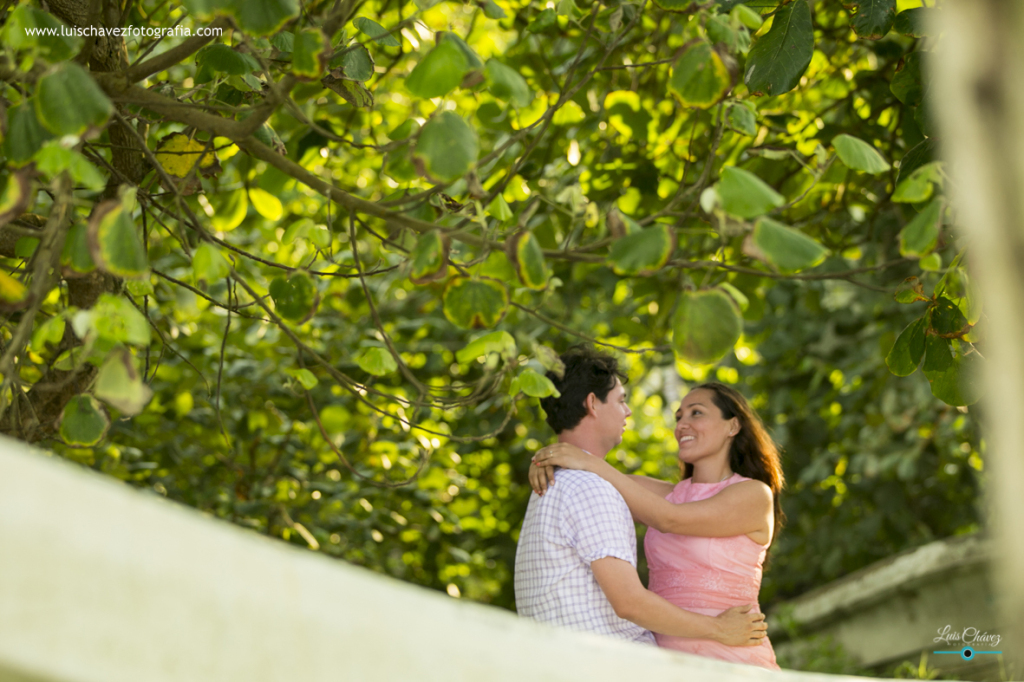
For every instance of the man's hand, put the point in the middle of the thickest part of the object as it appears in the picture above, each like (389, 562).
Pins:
(740, 626)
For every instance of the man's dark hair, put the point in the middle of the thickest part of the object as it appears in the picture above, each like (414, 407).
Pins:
(586, 371)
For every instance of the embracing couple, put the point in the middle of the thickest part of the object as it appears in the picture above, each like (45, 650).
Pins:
(707, 536)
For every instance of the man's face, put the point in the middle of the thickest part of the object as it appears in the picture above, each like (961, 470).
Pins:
(611, 415)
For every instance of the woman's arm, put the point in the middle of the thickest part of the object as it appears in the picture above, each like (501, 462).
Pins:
(656, 486)
(741, 508)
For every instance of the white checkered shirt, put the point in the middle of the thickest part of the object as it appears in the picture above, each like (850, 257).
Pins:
(580, 519)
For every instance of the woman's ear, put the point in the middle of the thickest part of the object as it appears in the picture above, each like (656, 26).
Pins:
(734, 427)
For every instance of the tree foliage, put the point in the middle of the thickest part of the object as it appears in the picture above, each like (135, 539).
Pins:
(307, 275)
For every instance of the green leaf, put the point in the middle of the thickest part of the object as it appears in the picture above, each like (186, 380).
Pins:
(83, 422)
(229, 208)
(706, 325)
(473, 60)
(447, 146)
(376, 361)
(357, 63)
(787, 249)
(747, 17)
(209, 264)
(536, 385)
(505, 83)
(25, 247)
(309, 56)
(872, 19)
(25, 134)
(922, 153)
(295, 297)
(429, 258)
(119, 385)
(499, 342)
(263, 17)
(921, 234)
(910, 290)
(219, 58)
(68, 101)
(492, 10)
(113, 319)
(742, 119)
(745, 195)
(643, 252)
(700, 77)
(76, 259)
(958, 384)
(475, 303)
(306, 379)
(114, 242)
(54, 48)
(912, 22)
(918, 186)
(908, 350)
(376, 32)
(439, 72)
(906, 83)
(336, 419)
(13, 294)
(741, 299)
(266, 204)
(283, 41)
(53, 159)
(938, 357)
(946, 319)
(779, 58)
(543, 22)
(527, 258)
(499, 209)
(549, 359)
(49, 332)
(16, 196)
(859, 155)
(353, 92)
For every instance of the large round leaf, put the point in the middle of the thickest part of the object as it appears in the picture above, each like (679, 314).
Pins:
(263, 17)
(439, 72)
(787, 249)
(779, 58)
(700, 77)
(25, 134)
(872, 19)
(309, 56)
(505, 83)
(54, 42)
(68, 101)
(859, 155)
(119, 385)
(921, 234)
(706, 325)
(84, 422)
(475, 303)
(429, 258)
(959, 383)
(644, 251)
(528, 259)
(114, 242)
(745, 195)
(447, 146)
(908, 350)
(296, 297)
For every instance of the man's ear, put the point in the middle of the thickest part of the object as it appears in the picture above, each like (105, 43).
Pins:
(591, 404)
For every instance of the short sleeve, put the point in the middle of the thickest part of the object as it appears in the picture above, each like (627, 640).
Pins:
(599, 525)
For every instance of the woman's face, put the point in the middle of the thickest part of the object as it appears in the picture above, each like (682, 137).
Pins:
(700, 429)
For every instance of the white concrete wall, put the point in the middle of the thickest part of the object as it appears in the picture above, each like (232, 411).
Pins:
(103, 583)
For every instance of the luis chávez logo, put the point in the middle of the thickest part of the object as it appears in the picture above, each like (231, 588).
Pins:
(971, 641)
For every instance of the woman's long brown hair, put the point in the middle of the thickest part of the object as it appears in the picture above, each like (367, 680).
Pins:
(753, 452)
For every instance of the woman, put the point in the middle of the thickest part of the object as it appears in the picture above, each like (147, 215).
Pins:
(709, 534)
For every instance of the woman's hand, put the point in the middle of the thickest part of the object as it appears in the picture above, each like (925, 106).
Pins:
(542, 473)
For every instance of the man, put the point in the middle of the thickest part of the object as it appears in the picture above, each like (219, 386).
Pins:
(576, 559)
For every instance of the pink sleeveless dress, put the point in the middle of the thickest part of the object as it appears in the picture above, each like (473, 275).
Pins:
(707, 576)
